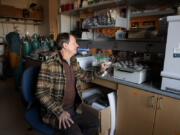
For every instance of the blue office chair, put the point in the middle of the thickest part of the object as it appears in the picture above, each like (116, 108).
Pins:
(32, 116)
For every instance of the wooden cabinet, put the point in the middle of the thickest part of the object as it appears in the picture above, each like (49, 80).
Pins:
(135, 111)
(11, 12)
(167, 120)
(140, 112)
(144, 113)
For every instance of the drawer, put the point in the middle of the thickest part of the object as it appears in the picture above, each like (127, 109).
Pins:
(105, 83)
(104, 117)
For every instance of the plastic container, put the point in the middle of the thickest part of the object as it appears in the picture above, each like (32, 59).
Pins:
(101, 59)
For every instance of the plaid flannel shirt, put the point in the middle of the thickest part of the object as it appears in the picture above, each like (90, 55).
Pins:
(51, 83)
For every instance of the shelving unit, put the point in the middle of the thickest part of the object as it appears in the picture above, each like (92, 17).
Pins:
(95, 7)
(116, 3)
(126, 44)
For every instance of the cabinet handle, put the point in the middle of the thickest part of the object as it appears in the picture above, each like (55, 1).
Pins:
(152, 101)
(159, 103)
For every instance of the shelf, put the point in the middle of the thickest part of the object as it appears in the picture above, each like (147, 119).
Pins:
(151, 4)
(141, 4)
(153, 13)
(124, 40)
(142, 40)
(139, 45)
(20, 21)
(104, 26)
(95, 7)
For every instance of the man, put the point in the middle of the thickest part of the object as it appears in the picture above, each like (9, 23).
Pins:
(59, 90)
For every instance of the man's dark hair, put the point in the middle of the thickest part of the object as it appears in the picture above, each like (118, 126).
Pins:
(62, 38)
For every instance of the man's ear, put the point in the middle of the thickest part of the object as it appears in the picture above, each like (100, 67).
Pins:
(64, 45)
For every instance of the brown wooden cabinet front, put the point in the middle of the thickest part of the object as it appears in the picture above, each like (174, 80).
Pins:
(144, 113)
(135, 111)
(167, 120)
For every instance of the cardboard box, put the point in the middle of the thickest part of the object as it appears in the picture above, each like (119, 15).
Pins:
(104, 118)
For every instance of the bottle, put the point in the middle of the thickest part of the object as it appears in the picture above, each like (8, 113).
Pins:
(26, 47)
(35, 42)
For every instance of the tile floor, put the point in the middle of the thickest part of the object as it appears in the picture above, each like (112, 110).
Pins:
(12, 111)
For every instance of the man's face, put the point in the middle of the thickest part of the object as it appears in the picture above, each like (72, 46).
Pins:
(72, 45)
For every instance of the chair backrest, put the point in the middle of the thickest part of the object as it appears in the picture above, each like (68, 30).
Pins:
(29, 81)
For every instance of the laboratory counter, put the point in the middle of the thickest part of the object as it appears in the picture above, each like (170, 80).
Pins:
(110, 82)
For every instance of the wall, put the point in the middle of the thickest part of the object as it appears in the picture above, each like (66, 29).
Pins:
(53, 17)
(24, 27)
(67, 23)
(43, 29)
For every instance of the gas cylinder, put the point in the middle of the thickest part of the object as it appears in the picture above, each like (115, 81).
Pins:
(27, 48)
(35, 42)
(51, 41)
(45, 42)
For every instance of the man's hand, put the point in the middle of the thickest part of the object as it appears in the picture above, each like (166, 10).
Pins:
(65, 120)
(104, 66)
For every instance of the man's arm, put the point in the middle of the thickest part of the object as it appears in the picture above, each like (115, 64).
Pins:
(45, 79)
(89, 76)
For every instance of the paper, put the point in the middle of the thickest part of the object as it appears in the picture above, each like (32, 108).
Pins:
(112, 103)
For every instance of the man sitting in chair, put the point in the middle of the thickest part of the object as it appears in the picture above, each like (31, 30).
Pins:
(59, 90)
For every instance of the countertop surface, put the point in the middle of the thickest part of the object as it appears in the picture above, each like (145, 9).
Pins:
(144, 86)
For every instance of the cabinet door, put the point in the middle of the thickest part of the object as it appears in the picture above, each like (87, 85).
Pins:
(135, 111)
(167, 120)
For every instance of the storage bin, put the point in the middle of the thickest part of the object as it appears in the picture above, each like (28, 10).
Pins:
(104, 118)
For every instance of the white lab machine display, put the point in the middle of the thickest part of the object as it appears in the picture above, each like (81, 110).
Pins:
(171, 71)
